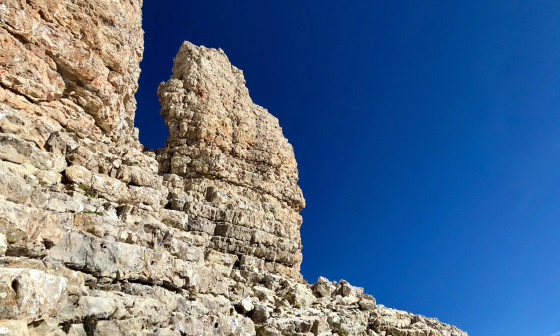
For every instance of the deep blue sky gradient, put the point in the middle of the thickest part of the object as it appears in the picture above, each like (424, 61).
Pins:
(427, 135)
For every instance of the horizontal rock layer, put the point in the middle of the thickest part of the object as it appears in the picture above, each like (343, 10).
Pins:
(99, 236)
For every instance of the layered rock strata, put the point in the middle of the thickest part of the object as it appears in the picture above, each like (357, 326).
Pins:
(238, 171)
(99, 236)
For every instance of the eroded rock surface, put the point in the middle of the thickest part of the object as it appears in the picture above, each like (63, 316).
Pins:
(99, 236)
(237, 169)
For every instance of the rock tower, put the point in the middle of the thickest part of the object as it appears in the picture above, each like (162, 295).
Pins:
(99, 236)
(238, 171)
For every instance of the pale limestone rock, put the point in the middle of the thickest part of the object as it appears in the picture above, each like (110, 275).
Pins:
(245, 305)
(77, 330)
(264, 294)
(222, 262)
(49, 327)
(29, 294)
(99, 236)
(32, 75)
(13, 328)
(300, 295)
(98, 307)
(101, 82)
(324, 288)
(3, 244)
(78, 174)
(177, 219)
(367, 302)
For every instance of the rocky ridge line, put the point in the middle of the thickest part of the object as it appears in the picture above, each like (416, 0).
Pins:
(99, 236)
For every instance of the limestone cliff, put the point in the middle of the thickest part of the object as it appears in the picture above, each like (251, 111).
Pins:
(101, 237)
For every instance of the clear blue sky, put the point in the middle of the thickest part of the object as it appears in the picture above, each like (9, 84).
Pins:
(427, 135)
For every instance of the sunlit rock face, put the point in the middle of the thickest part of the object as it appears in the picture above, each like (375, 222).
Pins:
(99, 236)
(78, 61)
(237, 169)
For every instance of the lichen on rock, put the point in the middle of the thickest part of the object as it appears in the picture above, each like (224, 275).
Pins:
(99, 236)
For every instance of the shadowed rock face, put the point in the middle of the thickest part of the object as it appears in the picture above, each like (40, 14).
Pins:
(101, 237)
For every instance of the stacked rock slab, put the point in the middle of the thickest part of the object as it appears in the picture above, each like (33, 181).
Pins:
(99, 236)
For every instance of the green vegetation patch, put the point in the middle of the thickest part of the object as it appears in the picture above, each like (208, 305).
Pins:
(88, 191)
(261, 331)
(340, 332)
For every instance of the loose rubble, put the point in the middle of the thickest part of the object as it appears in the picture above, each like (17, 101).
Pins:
(100, 236)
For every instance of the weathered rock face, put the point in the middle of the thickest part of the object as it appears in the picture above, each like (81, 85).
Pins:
(77, 61)
(101, 237)
(237, 169)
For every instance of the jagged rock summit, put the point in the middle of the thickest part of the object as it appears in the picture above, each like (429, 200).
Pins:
(99, 236)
